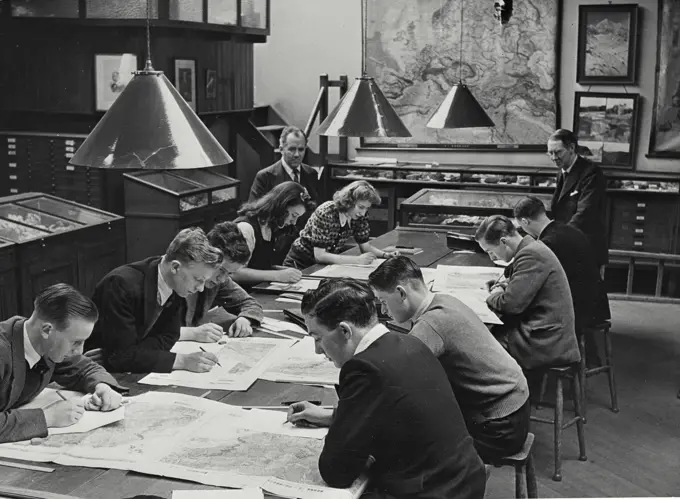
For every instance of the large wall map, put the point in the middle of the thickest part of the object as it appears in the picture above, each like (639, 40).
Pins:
(412, 49)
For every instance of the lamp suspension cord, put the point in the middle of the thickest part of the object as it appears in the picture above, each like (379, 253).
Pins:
(460, 47)
(364, 33)
(148, 35)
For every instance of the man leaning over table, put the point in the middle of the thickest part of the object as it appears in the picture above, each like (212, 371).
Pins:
(488, 383)
(396, 409)
(48, 347)
(141, 306)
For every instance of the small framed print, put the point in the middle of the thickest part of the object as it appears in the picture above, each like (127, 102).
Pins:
(607, 44)
(606, 127)
(185, 80)
(210, 84)
(112, 74)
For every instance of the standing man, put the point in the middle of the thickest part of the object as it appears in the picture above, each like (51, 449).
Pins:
(580, 195)
(47, 347)
(396, 408)
(488, 383)
(293, 145)
(141, 306)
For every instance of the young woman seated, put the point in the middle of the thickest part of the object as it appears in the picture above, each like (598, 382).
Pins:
(268, 225)
(332, 224)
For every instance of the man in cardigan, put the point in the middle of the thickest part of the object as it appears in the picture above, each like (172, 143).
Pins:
(220, 290)
(534, 301)
(396, 408)
(141, 306)
(48, 347)
(580, 195)
(293, 145)
(488, 383)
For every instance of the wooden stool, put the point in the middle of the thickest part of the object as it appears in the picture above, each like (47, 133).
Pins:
(606, 367)
(565, 372)
(523, 463)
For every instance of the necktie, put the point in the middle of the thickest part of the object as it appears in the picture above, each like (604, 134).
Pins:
(41, 367)
(296, 175)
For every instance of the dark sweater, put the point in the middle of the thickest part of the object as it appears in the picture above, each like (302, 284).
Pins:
(135, 332)
(396, 405)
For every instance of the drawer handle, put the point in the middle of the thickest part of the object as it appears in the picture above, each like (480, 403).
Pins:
(11, 146)
(70, 168)
(640, 217)
(12, 165)
(68, 155)
(641, 205)
(11, 153)
(70, 142)
(14, 191)
(637, 243)
(12, 177)
(639, 231)
(11, 140)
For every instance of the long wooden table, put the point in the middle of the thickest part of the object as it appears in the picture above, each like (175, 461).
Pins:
(115, 484)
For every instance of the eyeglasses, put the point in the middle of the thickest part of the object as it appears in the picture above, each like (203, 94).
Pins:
(555, 153)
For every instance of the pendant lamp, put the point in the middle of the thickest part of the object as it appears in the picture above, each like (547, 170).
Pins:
(460, 109)
(364, 111)
(150, 127)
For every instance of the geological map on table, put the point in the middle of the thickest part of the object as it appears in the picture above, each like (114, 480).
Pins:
(241, 361)
(413, 52)
(197, 439)
(301, 364)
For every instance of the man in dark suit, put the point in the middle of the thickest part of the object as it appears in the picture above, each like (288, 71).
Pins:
(141, 306)
(293, 145)
(535, 301)
(396, 410)
(48, 347)
(574, 252)
(580, 195)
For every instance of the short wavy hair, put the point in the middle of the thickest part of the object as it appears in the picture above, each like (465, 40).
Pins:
(495, 227)
(290, 130)
(567, 137)
(271, 209)
(395, 271)
(529, 207)
(227, 238)
(346, 198)
(192, 246)
(60, 303)
(338, 300)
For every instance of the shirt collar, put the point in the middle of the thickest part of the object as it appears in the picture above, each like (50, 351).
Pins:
(344, 219)
(30, 354)
(423, 306)
(164, 291)
(374, 334)
(289, 169)
(566, 172)
(266, 232)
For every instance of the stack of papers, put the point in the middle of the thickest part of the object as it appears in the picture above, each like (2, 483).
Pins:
(301, 364)
(249, 493)
(355, 271)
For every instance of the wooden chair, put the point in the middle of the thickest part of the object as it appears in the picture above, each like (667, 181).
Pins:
(525, 475)
(571, 372)
(607, 366)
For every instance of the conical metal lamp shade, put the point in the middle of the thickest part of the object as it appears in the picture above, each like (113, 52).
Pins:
(460, 109)
(150, 126)
(364, 112)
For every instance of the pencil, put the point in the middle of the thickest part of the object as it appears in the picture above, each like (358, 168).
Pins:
(204, 350)
(63, 397)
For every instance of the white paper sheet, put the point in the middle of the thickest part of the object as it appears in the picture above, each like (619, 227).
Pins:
(277, 325)
(91, 420)
(301, 286)
(242, 361)
(476, 300)
(355, 271)
(300, 364)
(452, 277)
(196, 439)
(275, 422)
(249, 493)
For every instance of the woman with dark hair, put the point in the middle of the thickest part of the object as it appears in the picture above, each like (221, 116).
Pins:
(332, 224)
(268, 225)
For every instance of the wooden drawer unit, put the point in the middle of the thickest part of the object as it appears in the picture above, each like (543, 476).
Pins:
(643, 222)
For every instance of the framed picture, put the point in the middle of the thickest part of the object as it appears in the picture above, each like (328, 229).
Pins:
(210, 84)
(607, 44)
(185, 80)
(665, 135)
(606, 126)
(112, 74)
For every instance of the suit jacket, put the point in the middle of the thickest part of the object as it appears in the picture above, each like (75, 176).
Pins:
(396, 404)
(580, 200)
(135, 332)
(574, 252)
(537, 309)
(229, 296)
(74, 373)
(267, 178)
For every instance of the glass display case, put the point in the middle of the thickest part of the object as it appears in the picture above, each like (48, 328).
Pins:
(167, 201)
(59, 241)
(461, 210)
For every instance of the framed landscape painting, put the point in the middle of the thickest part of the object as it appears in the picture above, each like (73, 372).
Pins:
(606, 126)
(665, 135)
(607, 44)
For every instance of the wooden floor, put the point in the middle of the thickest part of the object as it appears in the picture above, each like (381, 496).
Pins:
(633, 453)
